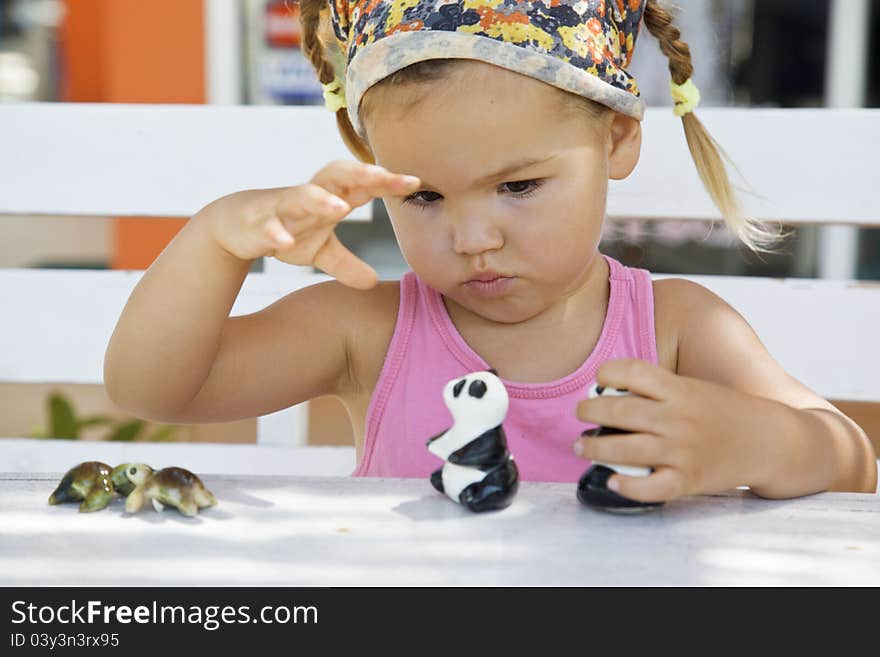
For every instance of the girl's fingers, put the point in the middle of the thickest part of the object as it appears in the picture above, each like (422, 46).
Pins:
(640, 449)
(278, 236)
(639, 377)
(628, 412)
(307, 214)
(304, 207)
(335, 191)
(661, 485)
(340, 263)
(358, 183)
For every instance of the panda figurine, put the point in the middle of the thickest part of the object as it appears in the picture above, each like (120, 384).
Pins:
(592, 488)
(479, 471)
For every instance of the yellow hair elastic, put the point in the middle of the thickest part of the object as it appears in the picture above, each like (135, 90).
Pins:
(334, 95)
(686, 97)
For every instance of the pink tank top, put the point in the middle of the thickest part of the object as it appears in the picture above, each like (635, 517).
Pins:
(426, 351)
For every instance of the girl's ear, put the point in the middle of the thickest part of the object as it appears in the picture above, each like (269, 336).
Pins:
(624, 147)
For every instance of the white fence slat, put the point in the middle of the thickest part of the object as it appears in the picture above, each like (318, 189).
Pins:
(846, 77)
(42, 455)
(155, 160)
(288, 427)
(57, 323)
(847, 53)
(838, 256)
(817, 329)
(170, 160)
(224, 83)
(789, 158)
(822, 332)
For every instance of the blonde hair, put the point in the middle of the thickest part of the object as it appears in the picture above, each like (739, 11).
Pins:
(314, 17)
(707, 155)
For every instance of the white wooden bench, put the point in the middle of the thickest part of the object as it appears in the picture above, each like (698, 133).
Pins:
(806, 166)
(84, 160)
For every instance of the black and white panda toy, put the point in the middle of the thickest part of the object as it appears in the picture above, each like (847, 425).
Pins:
(593, 488)
(479, 471)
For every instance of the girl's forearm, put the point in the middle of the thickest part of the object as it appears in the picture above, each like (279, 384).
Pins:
(168, 335)
(821, 450)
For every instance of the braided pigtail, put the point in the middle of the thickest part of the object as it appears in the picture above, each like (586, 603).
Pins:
(705, 151)
(313, 16)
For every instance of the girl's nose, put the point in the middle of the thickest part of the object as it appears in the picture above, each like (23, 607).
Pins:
(474, 235)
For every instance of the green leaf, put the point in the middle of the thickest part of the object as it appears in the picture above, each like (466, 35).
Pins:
(127, 431)
(163, 433)
(95, 421)
(62, 418)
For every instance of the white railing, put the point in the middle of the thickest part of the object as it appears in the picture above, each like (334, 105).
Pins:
(155, 160)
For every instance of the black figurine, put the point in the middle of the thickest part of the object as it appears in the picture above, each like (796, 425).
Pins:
(593, 488)
(479, 471)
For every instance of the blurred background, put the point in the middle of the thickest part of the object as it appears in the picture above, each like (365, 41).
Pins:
(747, 53)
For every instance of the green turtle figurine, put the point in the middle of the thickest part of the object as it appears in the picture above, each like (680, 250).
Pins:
(90, 482)
(173, 486)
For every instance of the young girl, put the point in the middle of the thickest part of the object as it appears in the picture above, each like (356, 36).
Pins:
(496, 125)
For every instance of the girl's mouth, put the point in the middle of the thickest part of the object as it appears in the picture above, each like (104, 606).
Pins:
(491, 288)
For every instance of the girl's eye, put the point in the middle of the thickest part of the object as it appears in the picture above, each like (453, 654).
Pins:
(518, 189)
(523, 188)
(419, 198)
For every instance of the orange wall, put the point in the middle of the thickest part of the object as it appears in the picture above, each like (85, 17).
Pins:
(83, 78)
(132, 51)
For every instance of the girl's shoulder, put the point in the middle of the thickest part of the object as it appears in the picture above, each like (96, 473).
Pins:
(694, 326)
(375, 312)
(374, 304)
(702, 336)
(378, 306)
(678, 305)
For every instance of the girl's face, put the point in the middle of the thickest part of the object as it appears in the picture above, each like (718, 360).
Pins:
(510, 212)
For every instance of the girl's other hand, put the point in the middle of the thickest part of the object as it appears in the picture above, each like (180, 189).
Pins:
(296, 224)
(700, 437)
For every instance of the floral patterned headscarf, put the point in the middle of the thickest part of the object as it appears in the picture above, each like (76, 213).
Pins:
(581, 46)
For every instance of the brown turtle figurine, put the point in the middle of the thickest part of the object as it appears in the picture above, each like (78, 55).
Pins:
(173, 486)
(119, 477)
(89, 482)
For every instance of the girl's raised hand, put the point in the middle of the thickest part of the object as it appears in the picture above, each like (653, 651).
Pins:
(296, 224)
(700, 437)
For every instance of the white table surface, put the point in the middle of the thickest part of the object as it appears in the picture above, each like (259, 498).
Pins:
(336, 531)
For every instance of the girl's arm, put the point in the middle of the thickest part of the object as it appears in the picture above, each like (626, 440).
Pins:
(729, 415)
(168, 335)
(177, 356)
(817, 447)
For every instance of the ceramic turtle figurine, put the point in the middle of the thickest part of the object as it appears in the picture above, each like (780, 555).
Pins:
(173, 486)
(119, 477)
(90, 482)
